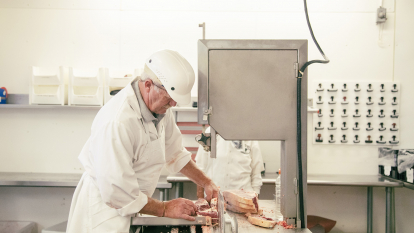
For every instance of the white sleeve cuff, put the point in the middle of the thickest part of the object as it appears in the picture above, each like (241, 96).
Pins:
(256, 190)
(134, 206)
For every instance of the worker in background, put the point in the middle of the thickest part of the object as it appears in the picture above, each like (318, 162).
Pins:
(132, 138)
(238, 165)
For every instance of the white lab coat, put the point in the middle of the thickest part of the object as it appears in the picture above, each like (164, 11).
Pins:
(233, 168)
(123, 159)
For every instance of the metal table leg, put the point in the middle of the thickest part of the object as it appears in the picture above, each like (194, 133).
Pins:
(390, 210)
(369, 209)
(166, 192)
(162, 196)
(178, 189)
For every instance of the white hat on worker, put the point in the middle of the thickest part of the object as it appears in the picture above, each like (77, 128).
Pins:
(174, 72)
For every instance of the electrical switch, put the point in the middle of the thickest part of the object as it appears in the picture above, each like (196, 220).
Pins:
(332, 139)
(332, 100)
(368, 140)
(320, 113)
(344, 115)
(369, 127)
(332, 126)
(395, 101)
(319, 138)
(369, 101)
(393, 140)
(395, 115)
(382, 114)
(370, 88)
(356, 126)
(357, 100)
(356, 113)
(344, 89)
(382, 127)
(357, 89)
(320, 100)
(395, 88)
(356, 139)
(319, 126)
(344, 139)
(344, 102)
(382, 88)
(369, 113)
(393, 128)
(332, 89)
(332, 113)
(381, 101)
(381, 141)
(344, 128)
(320, 87)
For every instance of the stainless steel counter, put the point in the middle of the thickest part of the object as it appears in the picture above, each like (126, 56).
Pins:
(21, 179)
(329, 180)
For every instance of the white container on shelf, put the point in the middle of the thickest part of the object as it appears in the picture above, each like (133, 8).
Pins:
(116, 80)
(85, 86)
(47, 86)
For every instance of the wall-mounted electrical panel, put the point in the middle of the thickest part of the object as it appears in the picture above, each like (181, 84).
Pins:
(356, 113)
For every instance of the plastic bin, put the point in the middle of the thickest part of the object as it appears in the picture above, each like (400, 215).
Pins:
(85, 87)
(116, 80)
(17, 227)
(47, 86)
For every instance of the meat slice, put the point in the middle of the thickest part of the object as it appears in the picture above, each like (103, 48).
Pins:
(261, 221)
(213, 203)
(209, 212)
(202, 204)
(242, 200)
(238, 209)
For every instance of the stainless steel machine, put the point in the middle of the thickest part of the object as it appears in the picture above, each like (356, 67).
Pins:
(247, 90)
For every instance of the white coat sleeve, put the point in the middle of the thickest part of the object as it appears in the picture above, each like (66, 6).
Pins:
(112, 151)
(202, 159)
(176, 155)
(257, 167)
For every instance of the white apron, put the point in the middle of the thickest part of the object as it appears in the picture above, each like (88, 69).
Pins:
(89, 214)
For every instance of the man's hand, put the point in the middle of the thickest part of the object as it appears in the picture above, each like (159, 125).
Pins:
(211, 191)
(180, 208)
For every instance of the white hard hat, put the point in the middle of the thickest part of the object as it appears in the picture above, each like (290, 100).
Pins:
(174, 72)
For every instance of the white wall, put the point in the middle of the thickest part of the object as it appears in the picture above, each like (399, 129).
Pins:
(123, 33)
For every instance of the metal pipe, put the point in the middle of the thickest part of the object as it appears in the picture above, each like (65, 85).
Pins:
(369, 209)
(390, 208)
(178, 189)
(162, 194)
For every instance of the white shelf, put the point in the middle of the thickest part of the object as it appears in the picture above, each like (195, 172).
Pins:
(21, 101)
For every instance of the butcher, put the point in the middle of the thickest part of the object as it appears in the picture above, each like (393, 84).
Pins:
(133, 137)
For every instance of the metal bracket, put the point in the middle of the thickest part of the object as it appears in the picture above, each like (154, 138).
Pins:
(296, 67)
(295, 182)
(381, 15)
(207, 112)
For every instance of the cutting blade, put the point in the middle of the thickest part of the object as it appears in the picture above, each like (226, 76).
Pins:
(220, 203)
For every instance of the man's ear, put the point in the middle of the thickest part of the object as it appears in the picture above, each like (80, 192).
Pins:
(147, 85)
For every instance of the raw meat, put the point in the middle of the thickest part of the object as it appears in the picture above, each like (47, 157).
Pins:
(261, 221)
(203, 209)
(240, 210)
(242, 201)
(202, 204)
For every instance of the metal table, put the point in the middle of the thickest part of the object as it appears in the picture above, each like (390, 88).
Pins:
(368, 181)
(21, 179)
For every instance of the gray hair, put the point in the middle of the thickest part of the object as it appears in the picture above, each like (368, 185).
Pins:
(145, 77)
